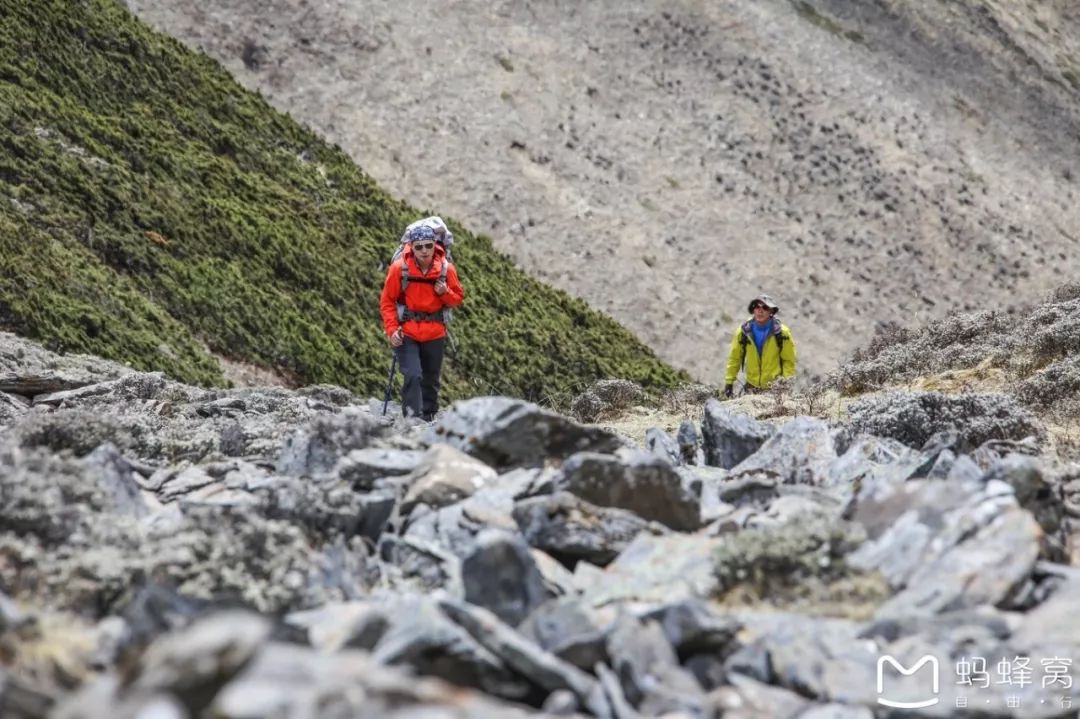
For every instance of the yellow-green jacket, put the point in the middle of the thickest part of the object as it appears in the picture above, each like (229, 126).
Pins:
(777, 357)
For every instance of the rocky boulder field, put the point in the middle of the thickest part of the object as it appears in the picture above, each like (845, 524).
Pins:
(169, 551)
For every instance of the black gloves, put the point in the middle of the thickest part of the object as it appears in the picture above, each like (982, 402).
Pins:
(729, 390)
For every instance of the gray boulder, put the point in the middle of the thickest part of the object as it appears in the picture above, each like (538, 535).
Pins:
(328, 509)
(1035, 491)
(558, 580)
(28, 369)
(360, 468)
(701, 638)
(317, 448)
(652, 679)
(12, 408)
(705, 483)
(455, 526)
(947, 545)
(865, 454)
(51, 498)
(691, 627)
(444, 476)
(570, 630)
(640, 483)
(507, 433)
(501, 576)
(572, 529)
(746, 698)
(415, 564)
(749, 490)
(332, 627)
(821, 658)
(179, 481)
(193, 665)
(1048, 630)
(421, 636)
(285, 680)
(690, 444)
(801, 452)
(24, 699)
(730, 437)
(659, 569)
(663, 445)
(543, 668)
(116, 477)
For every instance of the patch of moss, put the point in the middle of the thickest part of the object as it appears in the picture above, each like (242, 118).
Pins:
(152, 211)
(800, 564)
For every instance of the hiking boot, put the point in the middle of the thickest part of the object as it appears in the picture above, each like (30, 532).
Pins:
(428, 416)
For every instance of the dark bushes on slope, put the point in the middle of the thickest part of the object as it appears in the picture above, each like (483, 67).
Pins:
(155, 213)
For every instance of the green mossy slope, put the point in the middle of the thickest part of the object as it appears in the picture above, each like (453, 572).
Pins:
(152, 211)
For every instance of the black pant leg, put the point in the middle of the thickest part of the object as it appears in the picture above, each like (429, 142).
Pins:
(431, 357)
(411, 372)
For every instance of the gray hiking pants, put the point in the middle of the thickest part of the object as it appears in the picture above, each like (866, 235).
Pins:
(421, 365)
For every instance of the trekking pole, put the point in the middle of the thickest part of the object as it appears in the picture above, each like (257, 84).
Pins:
(389, 383)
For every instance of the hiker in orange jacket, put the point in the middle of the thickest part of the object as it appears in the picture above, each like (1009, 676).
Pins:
(420, 286)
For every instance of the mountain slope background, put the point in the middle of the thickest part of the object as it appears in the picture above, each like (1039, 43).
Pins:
(154, 212)
(869, 164)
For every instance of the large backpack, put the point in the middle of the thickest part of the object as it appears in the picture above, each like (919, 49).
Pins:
(445, 238)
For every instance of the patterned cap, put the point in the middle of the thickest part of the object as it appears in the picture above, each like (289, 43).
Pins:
(421, 233)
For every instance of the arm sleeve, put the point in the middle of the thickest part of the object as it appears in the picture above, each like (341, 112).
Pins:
(735, 358)
(788, 354)
(388, 300)
(455, 293)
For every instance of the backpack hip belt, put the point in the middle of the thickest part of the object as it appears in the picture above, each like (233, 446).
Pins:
(405, 314)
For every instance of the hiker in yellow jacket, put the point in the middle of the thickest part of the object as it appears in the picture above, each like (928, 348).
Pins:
(763, 346)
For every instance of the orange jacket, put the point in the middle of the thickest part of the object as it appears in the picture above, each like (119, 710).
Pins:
(419, 296)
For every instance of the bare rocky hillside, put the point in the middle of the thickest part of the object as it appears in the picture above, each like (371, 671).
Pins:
(864, 162)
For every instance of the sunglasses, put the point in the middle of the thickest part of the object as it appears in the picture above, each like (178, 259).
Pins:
(758, 307)
(423, 246)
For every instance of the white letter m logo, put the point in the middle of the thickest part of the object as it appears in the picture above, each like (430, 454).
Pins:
(888, 659)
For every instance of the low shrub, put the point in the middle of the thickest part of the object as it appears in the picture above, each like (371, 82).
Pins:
(914, 417)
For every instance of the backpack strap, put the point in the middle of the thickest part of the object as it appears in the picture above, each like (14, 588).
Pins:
(744, 329)
(778, 333)
(401, 308)
(404, 277)
(403, 312)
